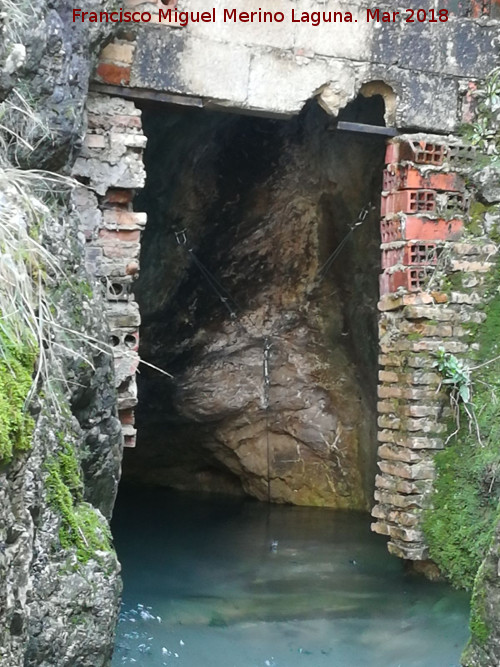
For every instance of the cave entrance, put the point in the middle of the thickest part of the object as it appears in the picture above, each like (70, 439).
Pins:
(258, 292)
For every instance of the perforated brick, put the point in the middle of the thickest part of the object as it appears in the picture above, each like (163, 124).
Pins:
(390, 230)
(411, 254)
(403, 177)
(408, 201)
(411, 279)
(420, 152)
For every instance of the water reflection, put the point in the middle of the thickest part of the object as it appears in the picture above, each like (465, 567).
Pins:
(213, 590)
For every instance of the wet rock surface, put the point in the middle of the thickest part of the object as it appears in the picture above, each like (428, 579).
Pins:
(263, 205)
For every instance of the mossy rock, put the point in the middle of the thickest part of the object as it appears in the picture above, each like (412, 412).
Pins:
(464, 510)
(82, 526)
(16, 368)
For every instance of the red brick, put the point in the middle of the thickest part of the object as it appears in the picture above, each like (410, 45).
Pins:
(411, 254)
(114, 74)
(408, 201)
(120, 235)
(116, 196)
(427, 229)
(126, 416)
(419, 228)
(392, 153)
(132, 268)
(402, 177)
(479, 8)
(411, 279)
(420, 152)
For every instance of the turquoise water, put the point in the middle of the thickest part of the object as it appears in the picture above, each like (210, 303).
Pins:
(203, 587)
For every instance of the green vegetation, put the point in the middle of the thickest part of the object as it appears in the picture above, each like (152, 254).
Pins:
(478, 626)
(467, 489)
(483, 132)
(16, 368)
(81, 526)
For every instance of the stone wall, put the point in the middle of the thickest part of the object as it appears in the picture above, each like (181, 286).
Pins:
(424, 205)
(110, 166)
(274, 68)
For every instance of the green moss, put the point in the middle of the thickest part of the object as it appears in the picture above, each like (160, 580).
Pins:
(16, 367)
(81, 526)
(466, 492)
(453, 282)
(475, 218)
(478, 626)
(414, 336)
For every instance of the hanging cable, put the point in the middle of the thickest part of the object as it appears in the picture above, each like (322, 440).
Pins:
(328, 264)
(233, 308)
(222, 294)
(267, 385)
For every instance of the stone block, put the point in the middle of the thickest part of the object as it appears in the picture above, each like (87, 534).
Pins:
(386, 421)
(264, 34)
(95, 141)
(395, 453)
(339, 39)
(417, 501)
(471, 267)
(395, 483)
(423, 470)
(282, 83)
(398, 532)
(123, 314)
(391, 302)
(118, 218)
(128, 140)
(191, 66)
(413, 393)
(389, 514)
(409, 440)
(120, 249)
(439, 313)
(413, 552)
(115, 121)
(118, 52)
(388, 376)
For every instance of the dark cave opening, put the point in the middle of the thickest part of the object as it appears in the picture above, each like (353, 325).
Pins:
(244, 215)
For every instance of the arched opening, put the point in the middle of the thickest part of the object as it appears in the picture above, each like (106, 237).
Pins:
(258, 291)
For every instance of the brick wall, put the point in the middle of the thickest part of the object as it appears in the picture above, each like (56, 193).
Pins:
(424, 205)
(110, 165)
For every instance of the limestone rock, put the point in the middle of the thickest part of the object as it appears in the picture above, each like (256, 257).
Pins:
(264, 204)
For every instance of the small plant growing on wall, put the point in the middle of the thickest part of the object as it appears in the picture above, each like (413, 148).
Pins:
(457, 377)
(455, 374)
(483, 133)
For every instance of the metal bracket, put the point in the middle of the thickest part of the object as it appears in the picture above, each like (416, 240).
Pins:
(367, 129)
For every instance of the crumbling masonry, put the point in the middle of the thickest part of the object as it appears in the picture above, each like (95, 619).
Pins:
(110, 166)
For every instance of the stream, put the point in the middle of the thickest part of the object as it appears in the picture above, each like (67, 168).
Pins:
(228, 582)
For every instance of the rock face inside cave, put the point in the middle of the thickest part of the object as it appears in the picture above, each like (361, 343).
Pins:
(263, 203)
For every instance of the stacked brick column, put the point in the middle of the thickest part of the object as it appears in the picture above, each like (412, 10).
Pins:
(423, 208)
(110, 165)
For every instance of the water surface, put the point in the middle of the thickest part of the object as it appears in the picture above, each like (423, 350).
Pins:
(203, 587)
